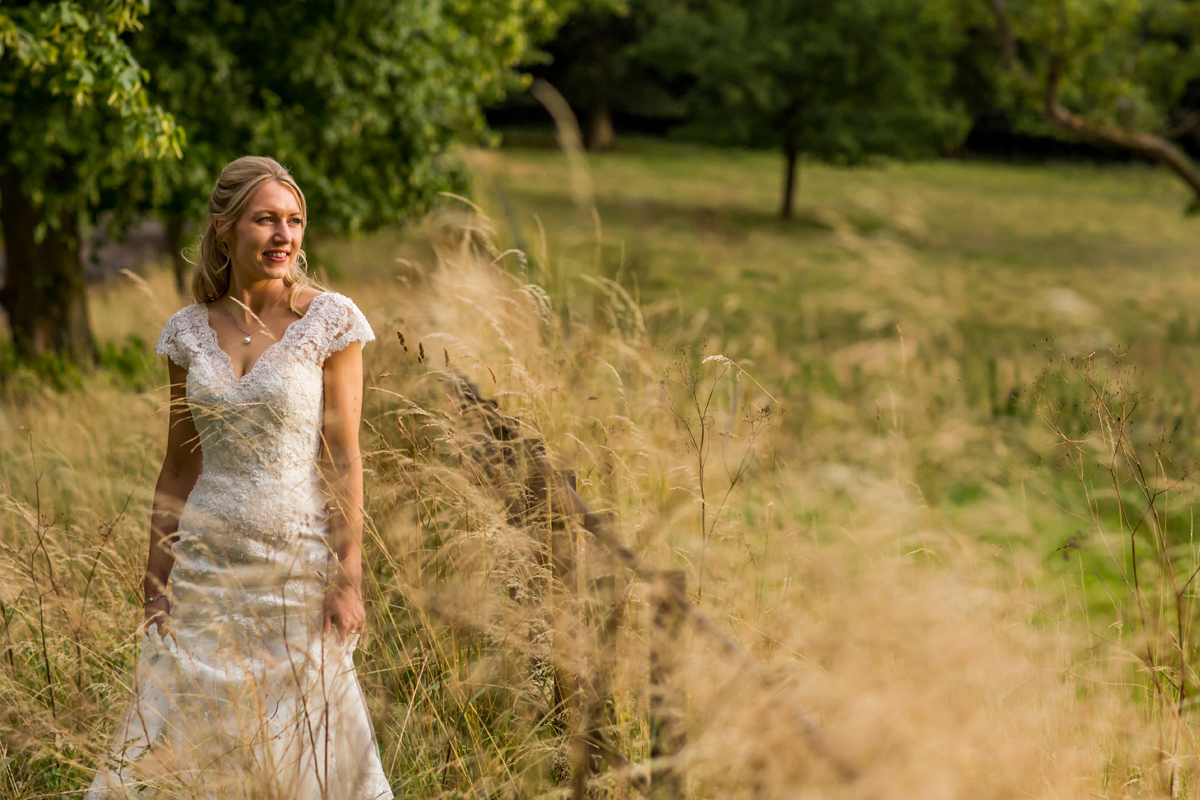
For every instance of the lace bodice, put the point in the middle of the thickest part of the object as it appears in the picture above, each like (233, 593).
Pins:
(269, 420)
(260, 434)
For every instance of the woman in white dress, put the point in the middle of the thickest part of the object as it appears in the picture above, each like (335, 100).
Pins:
(245, 684)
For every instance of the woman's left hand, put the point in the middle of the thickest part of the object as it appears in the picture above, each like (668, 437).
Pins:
(344, 610)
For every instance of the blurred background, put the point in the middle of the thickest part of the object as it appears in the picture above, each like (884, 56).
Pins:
(879, 319)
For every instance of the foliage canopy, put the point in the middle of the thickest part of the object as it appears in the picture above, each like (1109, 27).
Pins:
(362, 99)
(838, 80)
(74, 117)
(1119, 73)
(74, 109)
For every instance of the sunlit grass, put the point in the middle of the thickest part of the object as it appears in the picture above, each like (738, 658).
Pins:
(890, 557)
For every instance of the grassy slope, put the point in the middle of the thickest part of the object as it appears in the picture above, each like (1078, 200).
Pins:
(894, 320)
(904, 319)
(977, 266)
(703, 224)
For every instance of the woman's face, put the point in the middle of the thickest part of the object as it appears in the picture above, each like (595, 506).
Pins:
(264, 241)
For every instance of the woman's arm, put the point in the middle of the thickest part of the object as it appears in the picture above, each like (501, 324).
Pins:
(181, 467)
(342, 466)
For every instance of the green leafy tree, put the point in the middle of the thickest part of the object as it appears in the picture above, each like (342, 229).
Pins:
(836, 80)
(595, 62)
(74, 115)
(363, 99)
(1116, 73)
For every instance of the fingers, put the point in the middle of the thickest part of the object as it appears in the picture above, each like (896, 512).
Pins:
(155, 616)
(157, 620)
(346, 625)
(336, 622)
(344, 612)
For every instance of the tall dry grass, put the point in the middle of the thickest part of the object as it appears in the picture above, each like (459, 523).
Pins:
(932, 668)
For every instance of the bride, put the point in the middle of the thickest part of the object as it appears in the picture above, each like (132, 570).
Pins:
(245, 684)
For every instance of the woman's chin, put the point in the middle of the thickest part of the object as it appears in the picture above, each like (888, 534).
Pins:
(264, 271)
(274, 272)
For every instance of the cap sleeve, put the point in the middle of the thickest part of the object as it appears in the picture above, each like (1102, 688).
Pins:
(170, 342)
(342, 323)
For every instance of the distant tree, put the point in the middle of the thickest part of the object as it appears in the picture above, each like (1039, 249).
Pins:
(74, 116)
(595, 62)
(362, 99)
(837, 80)
(1118, 73)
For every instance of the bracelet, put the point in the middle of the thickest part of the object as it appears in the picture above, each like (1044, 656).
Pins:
(150, 600)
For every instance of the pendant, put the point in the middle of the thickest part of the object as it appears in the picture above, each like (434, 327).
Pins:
(246, 340)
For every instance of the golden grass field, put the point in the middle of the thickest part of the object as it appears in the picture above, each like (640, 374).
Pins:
(886, 513)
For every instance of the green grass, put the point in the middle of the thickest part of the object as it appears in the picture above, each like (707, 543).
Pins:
(942, 286)
(986, 237)
(908, 544)
(945, 286)
(991, 260)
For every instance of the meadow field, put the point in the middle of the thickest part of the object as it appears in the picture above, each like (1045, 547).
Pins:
(923, 453)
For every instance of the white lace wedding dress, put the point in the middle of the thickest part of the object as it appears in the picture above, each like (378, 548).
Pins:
(245, 697)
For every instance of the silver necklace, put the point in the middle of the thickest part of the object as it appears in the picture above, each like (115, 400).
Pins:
(261, 325)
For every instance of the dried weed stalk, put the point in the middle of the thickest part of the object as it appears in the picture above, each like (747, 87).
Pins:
(1139, 511)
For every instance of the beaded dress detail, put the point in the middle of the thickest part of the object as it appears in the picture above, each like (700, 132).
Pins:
(244, 696)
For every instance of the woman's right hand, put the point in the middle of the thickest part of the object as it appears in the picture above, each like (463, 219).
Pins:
(158, 612)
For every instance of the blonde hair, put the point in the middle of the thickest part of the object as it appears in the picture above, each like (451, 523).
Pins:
(237, 183)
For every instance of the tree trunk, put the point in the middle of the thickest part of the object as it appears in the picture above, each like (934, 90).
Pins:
(790, 174)
(45, 292)
(173, 230)
(600, 135)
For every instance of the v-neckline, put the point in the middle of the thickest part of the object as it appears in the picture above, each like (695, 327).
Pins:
(216, 342)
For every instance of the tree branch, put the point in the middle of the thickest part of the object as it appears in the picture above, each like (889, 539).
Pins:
(1008, 43)
(1140, 142)
(1149, 145)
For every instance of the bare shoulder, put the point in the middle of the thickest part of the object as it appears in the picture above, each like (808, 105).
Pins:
(305, 296)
